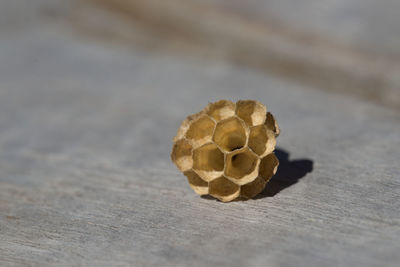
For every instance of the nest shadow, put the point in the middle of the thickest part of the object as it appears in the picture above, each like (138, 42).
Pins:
(289, 173)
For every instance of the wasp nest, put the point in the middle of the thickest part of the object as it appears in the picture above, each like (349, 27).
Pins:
(226, 150)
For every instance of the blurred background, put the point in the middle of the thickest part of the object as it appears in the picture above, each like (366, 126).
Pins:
(350, 47)
(93, 91)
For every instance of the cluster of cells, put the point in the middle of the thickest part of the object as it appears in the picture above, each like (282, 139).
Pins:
(226, 150)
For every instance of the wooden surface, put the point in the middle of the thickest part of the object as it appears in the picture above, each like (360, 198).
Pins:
(86, 179)
(366, 24)
(350, 47)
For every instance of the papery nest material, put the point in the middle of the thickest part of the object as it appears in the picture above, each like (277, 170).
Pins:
(226, 150)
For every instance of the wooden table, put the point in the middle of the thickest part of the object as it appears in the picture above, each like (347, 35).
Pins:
(86, 180)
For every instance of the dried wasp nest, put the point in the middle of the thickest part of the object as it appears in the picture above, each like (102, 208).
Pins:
(226, 150)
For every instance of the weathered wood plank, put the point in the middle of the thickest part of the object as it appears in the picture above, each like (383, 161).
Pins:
(85, 175)
(342, 46)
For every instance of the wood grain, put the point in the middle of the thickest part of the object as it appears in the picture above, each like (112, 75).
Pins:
(350, 47)
(86, 179)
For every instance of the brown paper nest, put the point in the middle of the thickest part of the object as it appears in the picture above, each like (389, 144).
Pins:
(226, 150)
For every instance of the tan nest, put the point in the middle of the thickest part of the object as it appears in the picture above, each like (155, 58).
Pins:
(226, 150)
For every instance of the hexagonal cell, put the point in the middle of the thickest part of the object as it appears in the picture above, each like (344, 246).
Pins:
(252, 112)
(252, 189)
(182, 155)
(271, 124)
(268, 166)
(196, 183)
(201, 130)
(230, 134)
(241, 166)
(261, 140)
(223, 189)
(208, 161)
(185, 125)
(221, 110)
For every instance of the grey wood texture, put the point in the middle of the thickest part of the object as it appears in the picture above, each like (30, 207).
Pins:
(349, 47)
(86, 180)
(366, 24)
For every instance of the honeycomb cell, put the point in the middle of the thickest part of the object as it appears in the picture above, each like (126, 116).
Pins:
(242, 166)
(268, 166)
(230, 134)
(201, 130)
(221, 110)
(186, 124)
(252, 112)
(208, 161)
(182, 155)
(223, 189)
(196, 183)
(271, 124)
(261, 140)
(252, 189)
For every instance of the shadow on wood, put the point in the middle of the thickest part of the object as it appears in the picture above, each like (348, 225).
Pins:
(289, 173)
